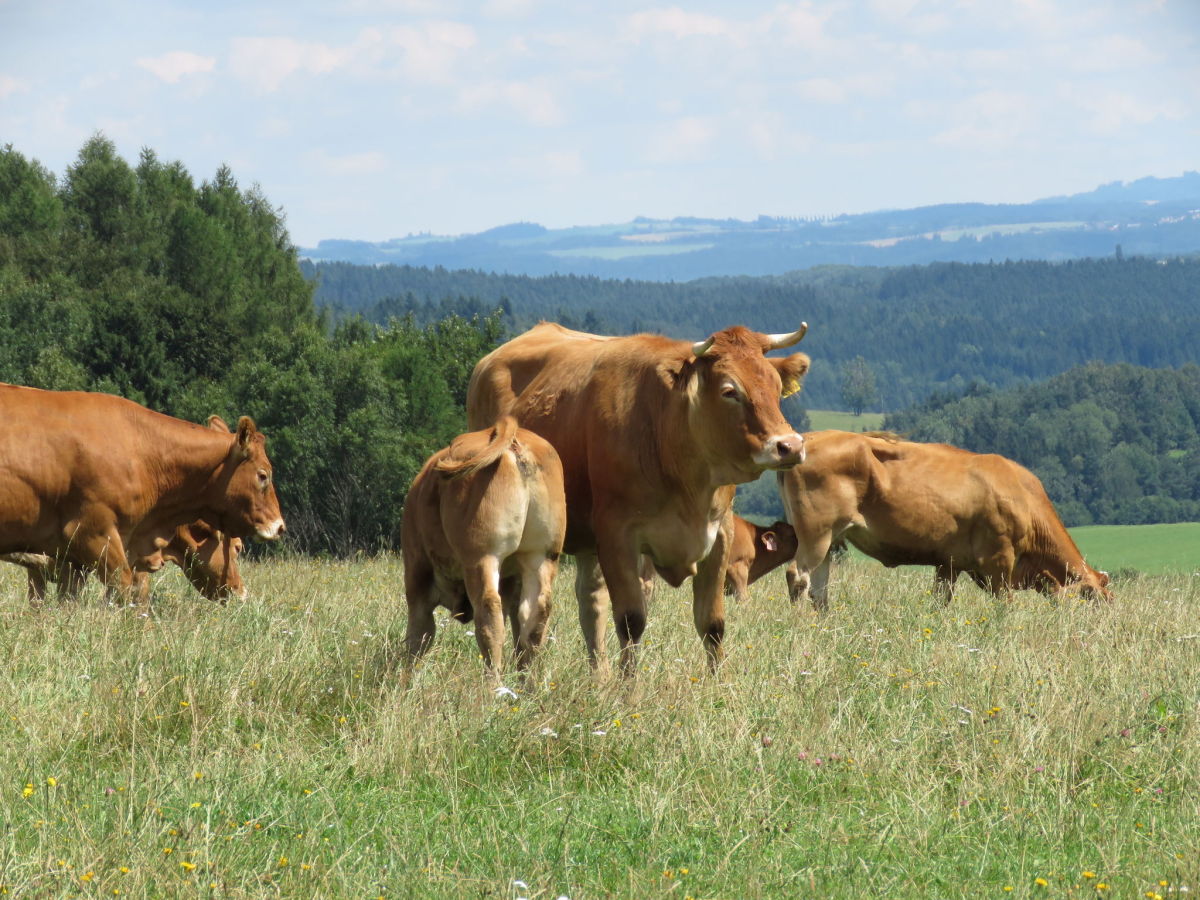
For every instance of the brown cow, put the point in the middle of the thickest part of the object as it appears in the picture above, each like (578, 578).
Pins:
(905, 503)
(207, 557)
(97, 481)
(653, 433)
(481, 511)
(757, 549)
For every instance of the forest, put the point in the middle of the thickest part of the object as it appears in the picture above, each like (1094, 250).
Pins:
(921, 329)
(189, 297)
(135, 280)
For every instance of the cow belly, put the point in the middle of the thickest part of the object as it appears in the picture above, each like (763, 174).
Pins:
(893, 554)
(26, 523)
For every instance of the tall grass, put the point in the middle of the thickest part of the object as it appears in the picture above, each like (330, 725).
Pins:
(890, 748)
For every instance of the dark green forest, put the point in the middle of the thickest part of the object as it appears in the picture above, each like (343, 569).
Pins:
(921, 329)
(188, 296)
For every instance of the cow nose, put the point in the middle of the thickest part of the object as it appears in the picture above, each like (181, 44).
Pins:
(781, 452)
(790, 449)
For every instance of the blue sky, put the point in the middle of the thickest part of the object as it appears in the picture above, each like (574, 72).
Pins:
(373, 119)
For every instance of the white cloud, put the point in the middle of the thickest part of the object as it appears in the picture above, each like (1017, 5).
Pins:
(350, 164)
(990, 120)
(1117, 111)
(170, 67)
(684, 140)
(433, 51)
(1107, 53)
(802, 24)
(676, 23)
(10, 86)
(841, 90)
(532, 101)
(508, 9)
(269, 61)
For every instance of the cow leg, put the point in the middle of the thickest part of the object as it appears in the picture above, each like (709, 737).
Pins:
(107, 554)
(819, 583)
(797, 584)
(708, 595)
(591, 592)
(646, 573)
(35, 584)
(801, 574)
(537, 582)
(483, 587)
(943, 583)
(71, 577)
(737, 582)
(419, 596)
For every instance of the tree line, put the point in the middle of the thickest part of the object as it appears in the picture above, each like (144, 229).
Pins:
(918, 329)
(188, 297)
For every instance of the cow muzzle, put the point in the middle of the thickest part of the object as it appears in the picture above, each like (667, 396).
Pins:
(781, 452)
(271, 532)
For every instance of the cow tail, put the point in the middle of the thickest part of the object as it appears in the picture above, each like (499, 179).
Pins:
(501, 438)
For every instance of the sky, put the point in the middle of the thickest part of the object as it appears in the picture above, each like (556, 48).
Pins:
(376, 119)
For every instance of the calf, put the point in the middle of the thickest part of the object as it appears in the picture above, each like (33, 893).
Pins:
(207, 557)
(483, 514)
(756, 550)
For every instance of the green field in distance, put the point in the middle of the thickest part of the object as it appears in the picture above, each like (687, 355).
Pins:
(1152, 549)
(824, 419)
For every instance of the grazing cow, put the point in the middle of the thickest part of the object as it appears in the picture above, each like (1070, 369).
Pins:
(101, 483)
(653, 434)
(207, 557)
(481, 511)
(905, 503)
(757, 549)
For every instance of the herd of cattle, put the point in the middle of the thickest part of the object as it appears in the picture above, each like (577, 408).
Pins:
(623, 451)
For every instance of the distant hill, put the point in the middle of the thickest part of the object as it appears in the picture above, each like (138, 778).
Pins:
(1148, 217)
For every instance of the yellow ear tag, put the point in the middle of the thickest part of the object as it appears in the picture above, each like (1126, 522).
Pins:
(790, 386)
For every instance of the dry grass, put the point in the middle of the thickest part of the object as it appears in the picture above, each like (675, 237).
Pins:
(889, 748)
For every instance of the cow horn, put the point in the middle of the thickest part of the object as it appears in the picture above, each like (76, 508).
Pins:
(701, 347)
(779, 341)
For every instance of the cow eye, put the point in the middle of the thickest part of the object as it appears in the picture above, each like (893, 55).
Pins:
(264, 478)
(729, 392)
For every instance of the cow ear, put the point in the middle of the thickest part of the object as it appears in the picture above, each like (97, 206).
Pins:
(791, 370)
(768, 541)
(246, 432)
(216, 423)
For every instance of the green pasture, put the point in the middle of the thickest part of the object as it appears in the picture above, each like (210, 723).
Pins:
(1153, 549)
(888, 748)
(826, 419)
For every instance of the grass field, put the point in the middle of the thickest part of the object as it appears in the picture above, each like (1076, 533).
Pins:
(1153, 549)
(823, 419)
(890, 748)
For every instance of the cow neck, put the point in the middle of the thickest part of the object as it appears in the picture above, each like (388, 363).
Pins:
(695, 477)
(183, 461)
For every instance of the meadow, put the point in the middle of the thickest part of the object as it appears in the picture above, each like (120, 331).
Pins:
(889, 748)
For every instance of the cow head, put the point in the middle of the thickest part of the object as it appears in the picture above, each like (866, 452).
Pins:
(209, 560)
(773, 547)
(735, 391)
(1094, 585)
(250, 504)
